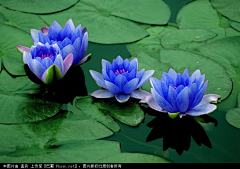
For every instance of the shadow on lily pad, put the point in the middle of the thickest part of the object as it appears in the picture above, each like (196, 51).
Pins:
(177, 133)
(65, 90)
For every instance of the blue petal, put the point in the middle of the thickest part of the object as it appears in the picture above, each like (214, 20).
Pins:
(179, 88)
(104, 62)
(43, 38)
(126, 64)
(77, 45)
(182, 100)
(130, 86)
(47, 62)
(200, 81)
(105, 75)
(194, 89)
(26, 57)
(168, 80)
(67, 31)
(119, 60)
(199, 96)
(102, 94)
(71, 25)
(59, 63)
(164, 90)
(83, 48)
(114, 65)
(66, 42)
(171, 98)
(112, 76)
(120, 81)
(122, 97)
(195, 75)
(156, 84)
(140, 74)
(131, 75)
(34, 34)
(52, 33)
(77, 33)
(108, 67)
(98, 78)
(112, 87)
(161, 101)
(134, 65)
(179, 80)
(84, 31)
(203, 109)
(36, 67)
(67, 50)
(57, 26)
(139, 94)
(145, 77)
(186, 77)
(173, 74)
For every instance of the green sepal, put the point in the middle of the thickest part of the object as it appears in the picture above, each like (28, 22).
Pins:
(53, 75)
(173, 115)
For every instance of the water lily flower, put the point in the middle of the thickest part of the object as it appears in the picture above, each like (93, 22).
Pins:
(69, 39)
(46, 61)
(181, 94)
(121, 79)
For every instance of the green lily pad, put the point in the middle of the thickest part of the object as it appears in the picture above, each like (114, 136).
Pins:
(38, 7)
(101, 110)
(132, 158)
(226, 53)
(230, 8)
(235, 25)
(231, 32)
(23, 21)
(200, 14)
(108, 21)
(22, 102)
(233, 117)
(12, 59)
(219, 81)
(186, 39)
(64, 152)
(128, 113)
(64, 126)
(151, 44)
(149, 63)
(87, 106)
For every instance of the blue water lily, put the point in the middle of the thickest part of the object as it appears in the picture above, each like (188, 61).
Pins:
(121, 79)
(69, 39)
(181, 94)
(46, 61)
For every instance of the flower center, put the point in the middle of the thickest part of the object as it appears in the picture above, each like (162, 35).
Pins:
(44, 56)
(175, 87)
(120, 71)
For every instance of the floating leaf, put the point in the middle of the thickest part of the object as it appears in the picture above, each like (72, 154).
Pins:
(151, 44)
(38, 7)
(62, 127)
(149, 63)
(20, 20)
(132, 158)
(24, 108)
(105, 21)
(219, 81)
(235, 25)
(228, 8)
(64, 152)
(128, 113)
(12, 59)
(87, 106)
(226, 53)
(231, 32)
(186, 39)
(233, 117)
(200, 14)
